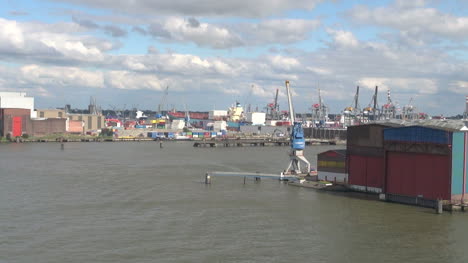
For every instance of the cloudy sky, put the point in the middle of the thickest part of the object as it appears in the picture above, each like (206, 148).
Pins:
(211, 53)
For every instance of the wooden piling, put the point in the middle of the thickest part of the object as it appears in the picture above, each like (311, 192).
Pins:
(207, 179)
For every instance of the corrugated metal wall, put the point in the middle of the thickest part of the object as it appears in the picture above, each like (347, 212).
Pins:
(366, 171)
(457, 163)
(370, 135)
(417, 174)
(417, 134)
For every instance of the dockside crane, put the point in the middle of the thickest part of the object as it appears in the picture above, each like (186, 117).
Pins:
(163, 100)
(297, 142)
(351, 113)
(273, 108)
(372, 109)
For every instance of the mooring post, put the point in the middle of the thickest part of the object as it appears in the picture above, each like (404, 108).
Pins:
(257, 179)
(244, 179)
(207, 179)
(62, 146)
(160, 145)
(439, 206)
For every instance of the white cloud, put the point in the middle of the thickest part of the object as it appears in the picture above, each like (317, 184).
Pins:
(320, 71)
(284, 63)
(241, 8)
(415, 19)
(270, 31)
(414, 85)
(24, 40)
(459, 87)
(61, 76)
(202, 34)
(132, 81)
(342, 38)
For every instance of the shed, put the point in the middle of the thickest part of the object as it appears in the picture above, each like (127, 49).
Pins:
(331, 166)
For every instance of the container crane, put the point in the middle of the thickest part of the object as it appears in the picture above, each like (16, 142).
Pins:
(351, 113)
(273, 108)
(371, 111)
(163, 100)
(297, 142)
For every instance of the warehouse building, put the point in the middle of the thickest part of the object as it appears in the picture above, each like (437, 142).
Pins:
(416, 164)
(91, 122)
(17, 100)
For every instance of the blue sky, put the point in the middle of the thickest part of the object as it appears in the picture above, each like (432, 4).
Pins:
(215, 53)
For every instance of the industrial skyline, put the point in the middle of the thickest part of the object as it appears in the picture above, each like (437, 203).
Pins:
(214, 53)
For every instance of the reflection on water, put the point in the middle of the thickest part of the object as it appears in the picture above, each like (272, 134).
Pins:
(135, 202)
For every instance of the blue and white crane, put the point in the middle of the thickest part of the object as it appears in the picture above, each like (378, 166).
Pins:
(297, 142)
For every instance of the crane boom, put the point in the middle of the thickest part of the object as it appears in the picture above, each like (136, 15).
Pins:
(275, 106)
(163, 100)
(291, 110)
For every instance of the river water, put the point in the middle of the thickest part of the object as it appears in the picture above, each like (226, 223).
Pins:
(135, 202)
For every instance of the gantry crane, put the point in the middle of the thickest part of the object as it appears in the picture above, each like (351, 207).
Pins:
(297, 142)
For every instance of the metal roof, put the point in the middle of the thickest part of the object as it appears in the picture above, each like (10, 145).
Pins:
(447, 125)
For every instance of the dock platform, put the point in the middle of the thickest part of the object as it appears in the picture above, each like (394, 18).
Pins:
(256, 142)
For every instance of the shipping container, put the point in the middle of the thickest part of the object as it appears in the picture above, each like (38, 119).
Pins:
(418, 175)
(417, 134)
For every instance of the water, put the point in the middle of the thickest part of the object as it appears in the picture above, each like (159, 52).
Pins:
(135, 202)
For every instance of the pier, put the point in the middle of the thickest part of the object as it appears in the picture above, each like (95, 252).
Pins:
(257, 142)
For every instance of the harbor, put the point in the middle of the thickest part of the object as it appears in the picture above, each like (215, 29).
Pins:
(56, 204)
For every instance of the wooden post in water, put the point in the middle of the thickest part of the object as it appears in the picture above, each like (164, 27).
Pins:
(439, 206)
(207, 179)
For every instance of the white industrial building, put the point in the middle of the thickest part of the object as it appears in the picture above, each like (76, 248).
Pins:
(219, 126)
(256, 118)
(17, 100)
(177, 124)
(214, 114)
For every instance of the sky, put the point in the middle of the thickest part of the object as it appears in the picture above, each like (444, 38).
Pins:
(212, 53)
